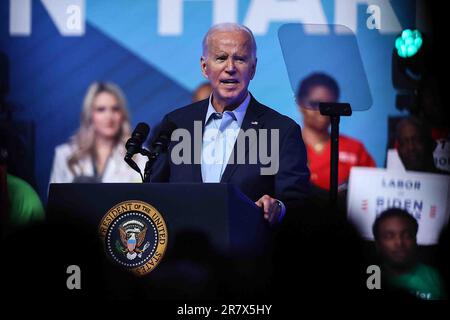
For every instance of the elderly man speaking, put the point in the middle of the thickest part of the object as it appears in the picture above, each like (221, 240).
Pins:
(233, 126)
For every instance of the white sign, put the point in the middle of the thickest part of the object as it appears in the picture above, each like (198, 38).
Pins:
(424, 195)
(393, 161)
(261, 13)
(67, 15)
(441, 154)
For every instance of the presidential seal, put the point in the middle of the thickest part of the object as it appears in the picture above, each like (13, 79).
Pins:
(135, 236)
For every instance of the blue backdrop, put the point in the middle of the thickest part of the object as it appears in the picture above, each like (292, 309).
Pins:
(152, 49)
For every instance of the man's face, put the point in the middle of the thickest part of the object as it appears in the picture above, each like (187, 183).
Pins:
(397, 242)
(229, 66)
(411, 148)
(309, 108)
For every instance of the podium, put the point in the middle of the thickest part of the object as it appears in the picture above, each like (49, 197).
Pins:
(220, 212)
(209, 247)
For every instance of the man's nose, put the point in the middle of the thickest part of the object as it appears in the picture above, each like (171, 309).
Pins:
(410, 144)
(398, 242)
(231, 67)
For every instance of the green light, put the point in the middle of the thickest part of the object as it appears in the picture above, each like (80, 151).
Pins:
(408, 43)
(407, 34)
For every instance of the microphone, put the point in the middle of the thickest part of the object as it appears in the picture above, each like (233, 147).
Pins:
(162, 141)
(134, 144)
(159, 145)
(138, 137)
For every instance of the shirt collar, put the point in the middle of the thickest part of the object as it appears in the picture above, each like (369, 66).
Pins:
(239, 112)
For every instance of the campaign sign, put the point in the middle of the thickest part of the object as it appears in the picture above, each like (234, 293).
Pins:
(424, 195)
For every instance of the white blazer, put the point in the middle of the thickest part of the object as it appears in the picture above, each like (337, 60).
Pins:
(116, 170)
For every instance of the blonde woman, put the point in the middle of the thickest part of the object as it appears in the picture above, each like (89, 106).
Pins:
(95, 153)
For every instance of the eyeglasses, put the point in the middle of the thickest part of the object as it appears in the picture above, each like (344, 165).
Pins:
(310, 104)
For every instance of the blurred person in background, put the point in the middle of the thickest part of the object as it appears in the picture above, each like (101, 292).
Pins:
(395, 232)
(316, 88)
(415, 145)
(202, 92)
(96, 152)
(19, 202)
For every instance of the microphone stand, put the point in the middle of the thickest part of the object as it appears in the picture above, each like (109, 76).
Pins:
(334, 111)
(152, 156)
(159, 146)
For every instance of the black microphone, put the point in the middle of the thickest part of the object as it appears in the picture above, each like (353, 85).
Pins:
(162, 141)
(134, 144)
(159, 145)
(138, 137)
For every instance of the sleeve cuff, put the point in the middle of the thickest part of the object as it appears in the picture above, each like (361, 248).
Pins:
(282, 212)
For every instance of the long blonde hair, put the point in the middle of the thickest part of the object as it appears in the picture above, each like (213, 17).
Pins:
(83, 140)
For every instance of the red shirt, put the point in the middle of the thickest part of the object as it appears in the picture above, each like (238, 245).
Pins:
(351, 153)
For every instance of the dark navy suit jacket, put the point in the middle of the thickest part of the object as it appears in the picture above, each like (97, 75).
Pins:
(289, 184)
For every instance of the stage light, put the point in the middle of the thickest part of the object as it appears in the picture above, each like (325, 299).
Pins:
(409, 68)
(408, 43)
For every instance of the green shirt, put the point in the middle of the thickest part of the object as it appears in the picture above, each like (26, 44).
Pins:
(422, 281)
(24, 203)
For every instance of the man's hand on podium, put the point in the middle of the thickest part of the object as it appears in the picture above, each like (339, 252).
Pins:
(274, 209)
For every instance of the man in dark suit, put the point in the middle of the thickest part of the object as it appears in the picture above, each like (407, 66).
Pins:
(225, 133)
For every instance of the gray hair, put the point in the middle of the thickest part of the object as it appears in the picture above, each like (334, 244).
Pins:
(228, 26)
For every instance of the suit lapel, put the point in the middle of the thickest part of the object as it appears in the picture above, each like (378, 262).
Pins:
(199, 115)
(252, 120)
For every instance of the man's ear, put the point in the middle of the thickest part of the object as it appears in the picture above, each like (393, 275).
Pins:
(204, 66)
(254, 69)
